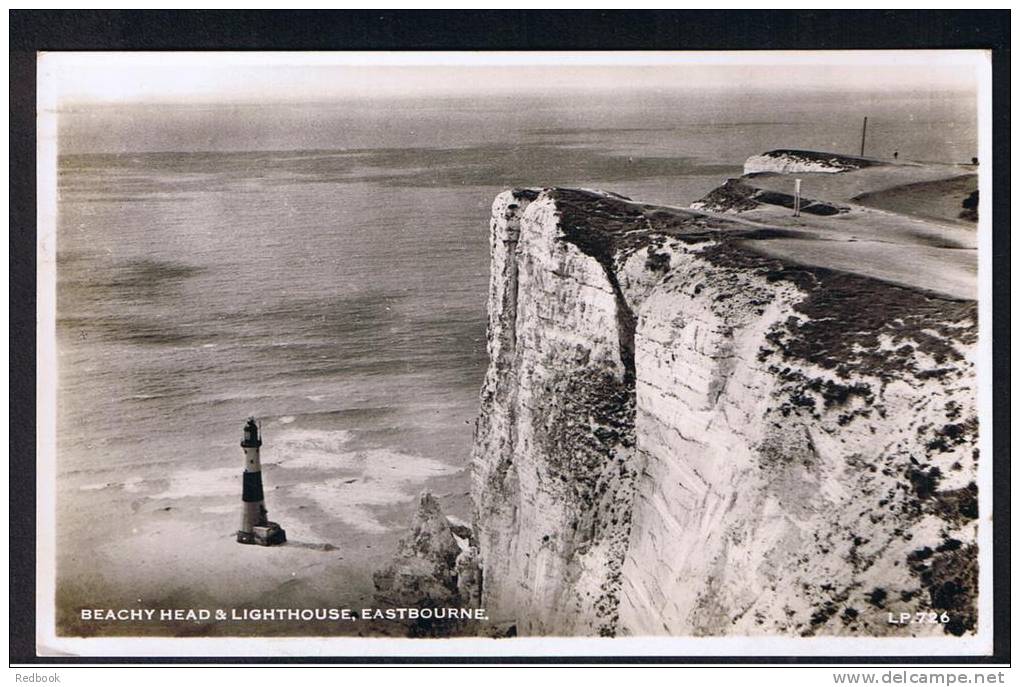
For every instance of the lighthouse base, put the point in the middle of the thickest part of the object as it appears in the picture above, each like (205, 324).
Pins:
(269, 534)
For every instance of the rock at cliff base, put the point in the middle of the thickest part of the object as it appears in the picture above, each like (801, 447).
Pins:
(422, 572)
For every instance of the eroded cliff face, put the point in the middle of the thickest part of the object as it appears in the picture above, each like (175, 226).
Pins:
(680, 435)
(554, 442)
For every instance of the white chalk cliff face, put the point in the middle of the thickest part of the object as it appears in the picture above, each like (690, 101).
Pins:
(680, 435)
(555, 447)
(803, 161)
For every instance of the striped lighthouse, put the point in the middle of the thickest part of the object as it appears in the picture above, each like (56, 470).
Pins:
(255, 525)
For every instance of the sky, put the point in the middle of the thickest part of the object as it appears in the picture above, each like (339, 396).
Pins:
(70, 80)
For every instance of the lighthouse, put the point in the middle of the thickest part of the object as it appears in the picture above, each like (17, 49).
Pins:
(255, 525)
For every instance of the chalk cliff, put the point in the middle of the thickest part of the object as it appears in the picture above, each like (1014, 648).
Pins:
(435, 566)
(805, 161)
(682, 433)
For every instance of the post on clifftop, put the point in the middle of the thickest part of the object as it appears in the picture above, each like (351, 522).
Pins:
(864, 134)
(255, 525)
(796, 197)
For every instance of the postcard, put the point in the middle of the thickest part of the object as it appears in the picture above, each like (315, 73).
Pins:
(514, 354)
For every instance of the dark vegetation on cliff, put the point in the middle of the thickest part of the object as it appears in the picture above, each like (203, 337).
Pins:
(588, 435)
(970, 207)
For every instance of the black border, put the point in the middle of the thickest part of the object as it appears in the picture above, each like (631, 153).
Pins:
(53, 30)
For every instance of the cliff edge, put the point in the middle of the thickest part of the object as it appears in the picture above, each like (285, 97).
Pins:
(725, 420)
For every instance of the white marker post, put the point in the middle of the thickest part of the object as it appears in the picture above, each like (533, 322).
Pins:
(796, 197)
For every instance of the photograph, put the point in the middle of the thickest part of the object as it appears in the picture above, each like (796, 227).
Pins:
(514, 353)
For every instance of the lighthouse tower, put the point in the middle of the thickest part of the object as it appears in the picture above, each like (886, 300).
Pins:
(255, 525)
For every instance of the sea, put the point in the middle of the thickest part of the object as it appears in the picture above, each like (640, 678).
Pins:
(323, 267)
